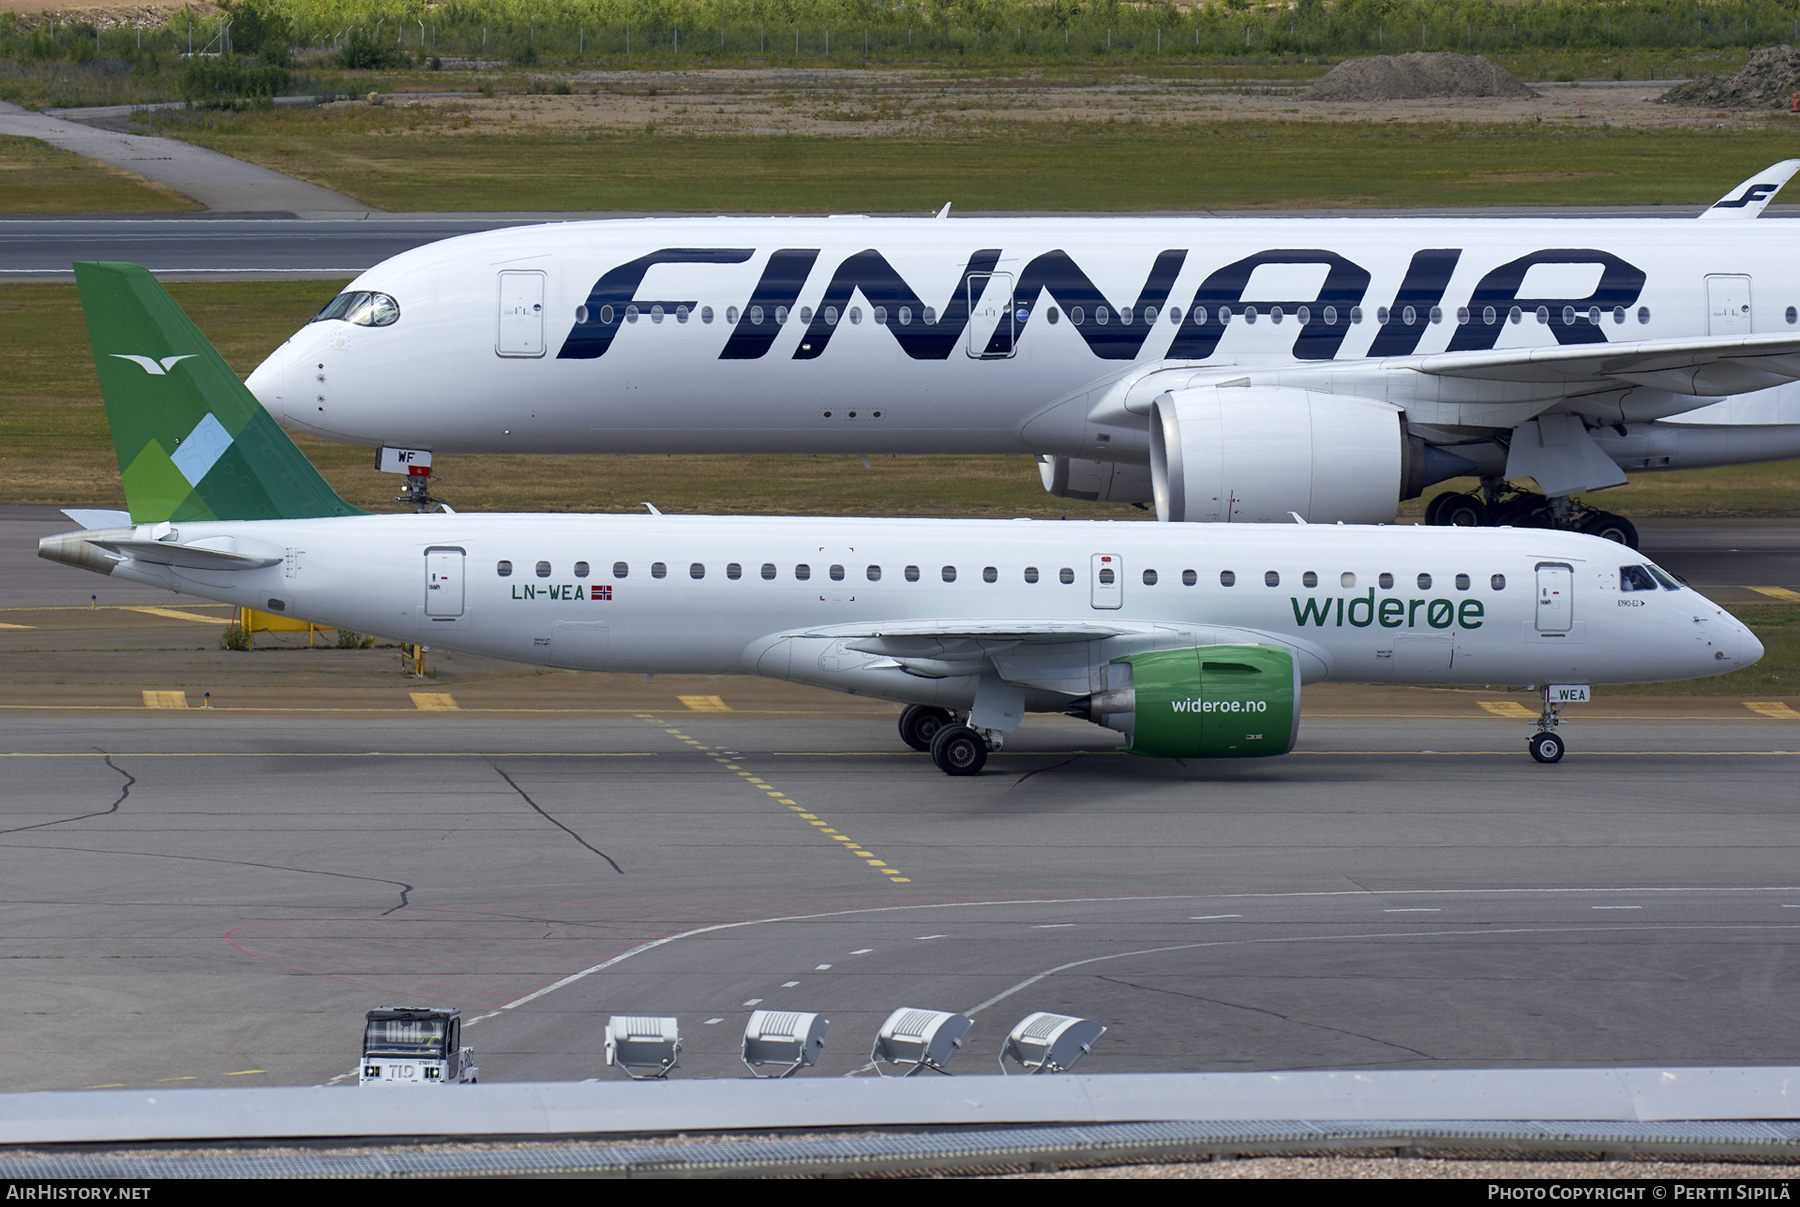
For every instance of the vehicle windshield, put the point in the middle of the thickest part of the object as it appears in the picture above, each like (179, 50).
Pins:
(404, 1036)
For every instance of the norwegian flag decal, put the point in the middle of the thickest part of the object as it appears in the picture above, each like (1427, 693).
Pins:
(602, 591)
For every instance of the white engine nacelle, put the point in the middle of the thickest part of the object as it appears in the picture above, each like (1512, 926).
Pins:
(1096, 481)
(1254, 454)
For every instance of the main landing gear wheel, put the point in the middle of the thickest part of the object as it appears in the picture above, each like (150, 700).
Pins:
(920, 723)
(1546, 747)
(959, 750)
(1460, 511)
(1607, 526)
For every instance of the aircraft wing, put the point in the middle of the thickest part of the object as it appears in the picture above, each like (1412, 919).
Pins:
(1705, 366)
(1052, 655)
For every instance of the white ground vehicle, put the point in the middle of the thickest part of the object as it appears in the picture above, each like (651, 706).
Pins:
(405, 1045)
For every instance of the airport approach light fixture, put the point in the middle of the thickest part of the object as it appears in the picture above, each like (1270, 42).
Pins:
(920, 1039)
(1050, 1043)
(783, 1037)
(646, 1048)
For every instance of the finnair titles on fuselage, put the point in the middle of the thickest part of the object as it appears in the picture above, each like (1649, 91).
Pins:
(1230, 369)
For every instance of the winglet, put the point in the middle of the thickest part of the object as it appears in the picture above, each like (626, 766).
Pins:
(193, 443)
(1748, 199)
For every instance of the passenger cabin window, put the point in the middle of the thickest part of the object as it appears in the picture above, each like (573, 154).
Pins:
(1424, 582)
(697, 570)
(1149, 578)
(734, 571)
(1031, 574)
(803, 572)
(1271, 579)
(1635, 578)
(837, 574)
(581, 569)
(768, 570)
(1386, 581)
(949, 574)
(989, 574)
(873, 573)
(543, 569)
(621, 570)
(503, 568)
(1309, 579)
(1462, 582)
(1065, 576)
(912, 574)
(1498, 582)
(1189, 578)
(1347, 579)
(1227, 578)
(659, 570)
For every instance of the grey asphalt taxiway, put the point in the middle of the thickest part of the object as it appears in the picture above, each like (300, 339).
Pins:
(212, 896)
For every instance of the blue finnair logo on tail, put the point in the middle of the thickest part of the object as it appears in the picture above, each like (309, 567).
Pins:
(1752, 195)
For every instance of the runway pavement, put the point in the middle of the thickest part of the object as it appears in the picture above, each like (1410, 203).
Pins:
(213, 895)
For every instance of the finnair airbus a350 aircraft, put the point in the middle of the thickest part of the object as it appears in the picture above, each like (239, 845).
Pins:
(1192, 641)
(1228, 369)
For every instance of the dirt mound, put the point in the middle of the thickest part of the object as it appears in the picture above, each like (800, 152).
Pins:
(1417, 76)
(1768, 81)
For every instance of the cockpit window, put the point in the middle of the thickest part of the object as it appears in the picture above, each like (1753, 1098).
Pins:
(361, 307)
(1662, 576)
(1635, 578)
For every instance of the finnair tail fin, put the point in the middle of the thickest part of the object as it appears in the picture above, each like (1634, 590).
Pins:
(193, 443)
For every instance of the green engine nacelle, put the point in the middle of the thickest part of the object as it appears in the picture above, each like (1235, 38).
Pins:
(1210, 702)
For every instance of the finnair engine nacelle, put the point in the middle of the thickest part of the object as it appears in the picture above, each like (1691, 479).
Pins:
(1254, 454)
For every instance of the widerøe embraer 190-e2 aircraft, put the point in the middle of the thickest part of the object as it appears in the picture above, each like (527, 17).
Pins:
(1228, 369)
(1191, 640)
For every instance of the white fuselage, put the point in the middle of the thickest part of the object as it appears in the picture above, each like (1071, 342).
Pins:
(866, 335)
(785, 598)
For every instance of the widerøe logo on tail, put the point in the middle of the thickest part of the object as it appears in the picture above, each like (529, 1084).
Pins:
(152, 366)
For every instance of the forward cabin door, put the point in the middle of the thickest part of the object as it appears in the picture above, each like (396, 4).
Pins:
(1108, 579)
(1555, 597)
(992, 324)
(1728, 305)
(521, 314)
(443, 582)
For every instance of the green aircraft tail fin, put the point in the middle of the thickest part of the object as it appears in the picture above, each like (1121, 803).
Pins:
(193, 442)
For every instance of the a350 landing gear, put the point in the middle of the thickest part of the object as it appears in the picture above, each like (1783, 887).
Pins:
(959, 750)
(919, 723)
(1499, 505)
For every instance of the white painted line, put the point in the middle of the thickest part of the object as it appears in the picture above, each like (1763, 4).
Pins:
(1052, 925)
(1615, 907)
(862, 951)
(921, 938)
(820, 967)
(709, 1022)
(755, 1001)
(789, 984)
(1212, 917)
(1420, 909)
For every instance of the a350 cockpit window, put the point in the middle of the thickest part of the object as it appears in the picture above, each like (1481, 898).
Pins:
(361, 307)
